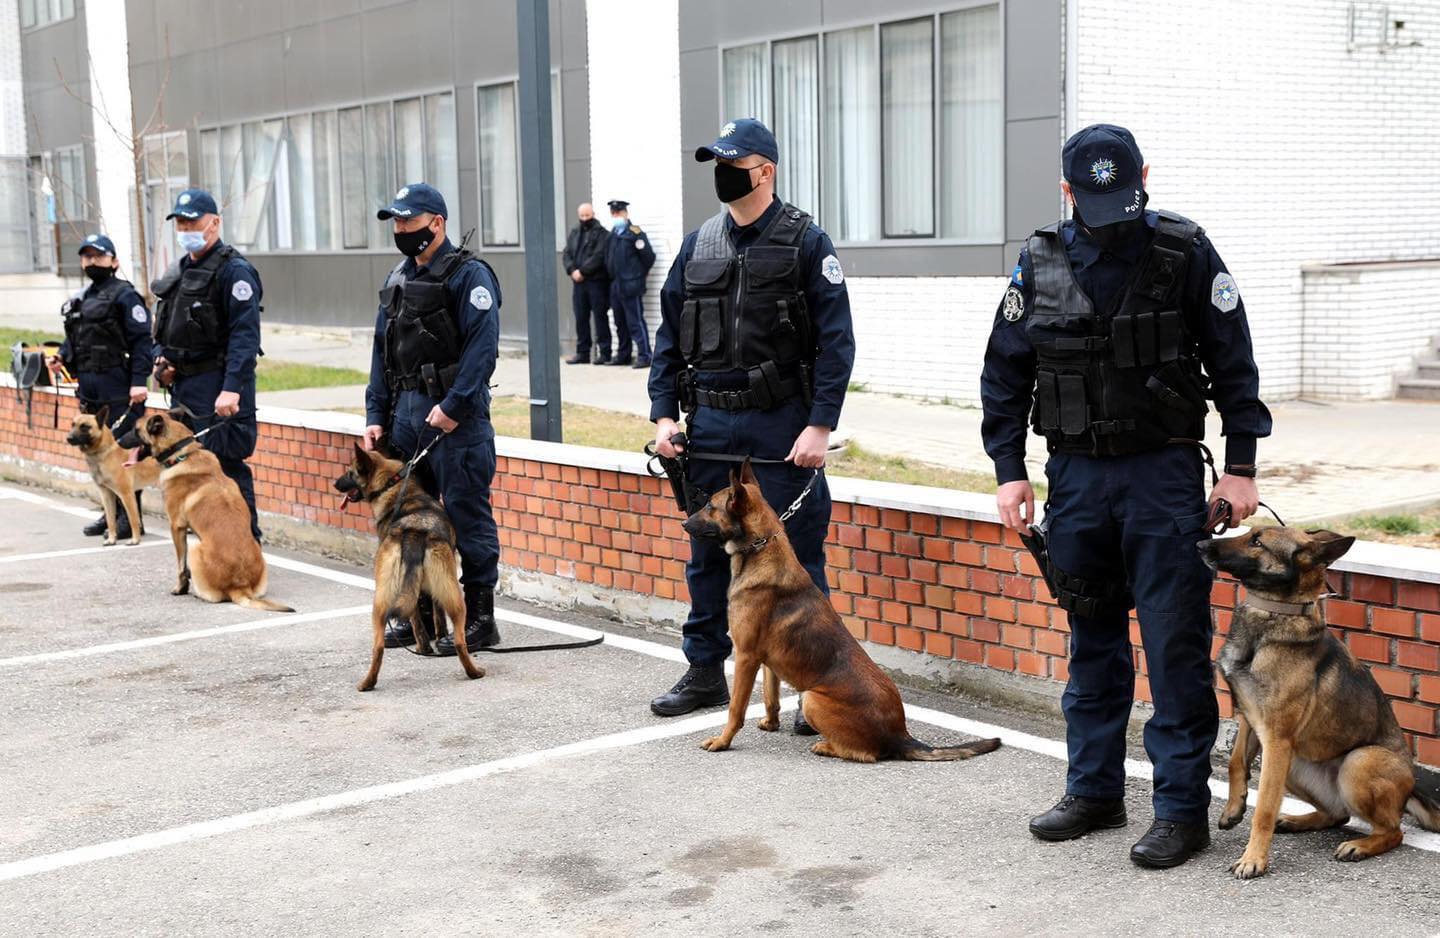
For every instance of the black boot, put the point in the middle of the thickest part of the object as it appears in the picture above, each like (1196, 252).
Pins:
(95, 528)
(401, 632)
(700, 687)
(802, 725)
(480, 628)
(1169, 843)
(1074, 815)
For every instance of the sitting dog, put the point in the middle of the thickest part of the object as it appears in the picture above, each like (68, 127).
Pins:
(1324, 728)
(416, 555)
(115, 481)
(780, 619)
(226, 564)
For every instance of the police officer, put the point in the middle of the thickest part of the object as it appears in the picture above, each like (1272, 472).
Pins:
(208, 330)
(755, 345)
(437, 335)
(107, 348)
(628, 258)
(590, 296)
(1118, 325)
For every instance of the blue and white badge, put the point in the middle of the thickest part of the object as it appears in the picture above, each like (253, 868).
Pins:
(242, 290)
(831, 270)
(1014, 305)
(137, 313)
(1103, 172)
(480, 299)
(1223, 292)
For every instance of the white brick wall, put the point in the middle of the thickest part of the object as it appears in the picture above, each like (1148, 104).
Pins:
(1260, 125)
(1365, 326)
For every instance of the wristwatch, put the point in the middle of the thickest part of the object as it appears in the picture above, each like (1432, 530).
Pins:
(1245, 471)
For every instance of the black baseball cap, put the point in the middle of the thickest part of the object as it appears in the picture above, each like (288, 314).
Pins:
(192, 203)
(418, 198)
(741, 138)
(97, 242)
(1104, 167)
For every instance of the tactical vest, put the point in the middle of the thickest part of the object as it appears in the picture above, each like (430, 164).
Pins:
(746, 312)
(1116, 381)
(190, 316)
(95, 328)
(423, 339)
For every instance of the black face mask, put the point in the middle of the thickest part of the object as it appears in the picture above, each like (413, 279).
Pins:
(414, 243)
(1110, 237)
(732, 182)
(98, 274)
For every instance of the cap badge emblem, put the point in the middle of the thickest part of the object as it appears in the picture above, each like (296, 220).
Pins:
(728, 129)
(404, 191)
(184, 198)
(1103, 172)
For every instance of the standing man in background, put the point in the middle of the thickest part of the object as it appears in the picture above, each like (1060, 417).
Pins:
(629, 255)
(208, 330)
(590, 296)
(108, 348)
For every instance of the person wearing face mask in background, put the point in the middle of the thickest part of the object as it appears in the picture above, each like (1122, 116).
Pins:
(207, 327)
(437, 335)
(590, 297)
(756, 346)
(107, 347)
(1119, 325)
(628, 258)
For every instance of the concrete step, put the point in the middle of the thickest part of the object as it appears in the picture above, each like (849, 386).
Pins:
(1428, 368)
(1419, 389)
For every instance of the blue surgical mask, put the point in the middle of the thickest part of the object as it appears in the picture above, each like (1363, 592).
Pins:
(191, 242)
(618, 224)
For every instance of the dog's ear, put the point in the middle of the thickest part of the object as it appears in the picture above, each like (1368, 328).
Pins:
(739, 501)
(102, 416)
(747, 473)
(155, 426)
(362, 458)
(1326, 547)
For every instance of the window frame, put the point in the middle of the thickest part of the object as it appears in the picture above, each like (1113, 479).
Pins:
(820, 32)
(36, 23)
(556, 90)
(337, 211)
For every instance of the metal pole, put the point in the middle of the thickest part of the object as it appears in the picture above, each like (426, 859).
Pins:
(538, 218)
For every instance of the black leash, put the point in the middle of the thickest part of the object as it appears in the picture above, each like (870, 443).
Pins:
(1222, 513)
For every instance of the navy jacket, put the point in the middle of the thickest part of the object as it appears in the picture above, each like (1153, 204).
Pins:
(629, 255)
(240, 294)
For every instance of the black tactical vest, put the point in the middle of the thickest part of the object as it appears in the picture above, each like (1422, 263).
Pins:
(190, 312)
(1116, 381)
(747, 312)
(95, 328)
(423, 340)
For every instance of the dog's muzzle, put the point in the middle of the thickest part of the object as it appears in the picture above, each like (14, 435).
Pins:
(349, 490)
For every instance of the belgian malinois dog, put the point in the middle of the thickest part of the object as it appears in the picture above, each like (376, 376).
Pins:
(1325, 731)
(416, 555)
(226, 565)
(780, 619)
(116, 482)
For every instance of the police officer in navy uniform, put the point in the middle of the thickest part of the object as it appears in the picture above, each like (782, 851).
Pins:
(629, 255)
(1115, 329)
(437, 334)
(756, 346)
(590, 296)
(108, 348)
(207, 327)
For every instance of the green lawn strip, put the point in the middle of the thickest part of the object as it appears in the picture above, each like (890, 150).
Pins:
(273, 375)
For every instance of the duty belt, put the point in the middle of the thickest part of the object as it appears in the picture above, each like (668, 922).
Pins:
(203, 366)
(760, 397)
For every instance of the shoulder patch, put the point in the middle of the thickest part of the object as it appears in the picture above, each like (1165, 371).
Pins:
(635, 229)
(1017, 276)
(1014, 304)
(480, 298)
(831, 269)
(242, 290)
(640, 244)
(138, 313)
(1223, 292)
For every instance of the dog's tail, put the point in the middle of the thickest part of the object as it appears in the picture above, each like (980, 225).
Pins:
(1424, 809)
(914, 750)
(413, 547)
(258, 602)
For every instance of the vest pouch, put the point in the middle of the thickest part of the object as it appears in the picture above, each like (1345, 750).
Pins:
(1145, 339)
(689, 328)
(1167, 327)
(710, 325)
(1047, 402)
(1173, 388)
(771, 268)
(1074, 412)
(1122, 340)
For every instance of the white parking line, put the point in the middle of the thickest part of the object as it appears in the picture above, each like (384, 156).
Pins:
(312, 806)
(115, 549)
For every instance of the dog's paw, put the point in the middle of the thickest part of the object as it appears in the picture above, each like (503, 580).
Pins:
(714, 744)
(180, 589)
(768, 724)
(1351, 851)
(1248, 868)
(133, 541)
(109, 541)
(363, 686)
(1229, 818)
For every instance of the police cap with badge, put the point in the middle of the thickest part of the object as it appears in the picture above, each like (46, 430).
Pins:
(99, 243)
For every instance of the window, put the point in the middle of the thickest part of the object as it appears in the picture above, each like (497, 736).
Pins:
(65, 167)
(889, 131)
(312, 181)
(166, 175)
(499, 165)
(36, 13)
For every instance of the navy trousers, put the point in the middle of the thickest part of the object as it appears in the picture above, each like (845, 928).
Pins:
(1138, 518)
(232, 441)
(632, 310)
(463, 465)
(767, 435)
(590, 299)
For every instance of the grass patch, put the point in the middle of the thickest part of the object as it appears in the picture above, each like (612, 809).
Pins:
(9, 337)
(1421, 529)
(1392, 524)
(272, 375)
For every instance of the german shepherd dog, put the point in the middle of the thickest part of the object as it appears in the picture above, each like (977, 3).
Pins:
(226, 564)
(780, 619)
(1325, 730)
(116, 482)
(416, 555)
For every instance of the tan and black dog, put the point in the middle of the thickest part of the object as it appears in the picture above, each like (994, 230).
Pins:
(116, 482)
(780, 619)
(1325, 731)
(226, 564)
(416, 555)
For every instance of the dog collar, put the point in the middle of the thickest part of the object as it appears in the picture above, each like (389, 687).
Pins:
(167, 457)
(1284, 609)
(754, 547)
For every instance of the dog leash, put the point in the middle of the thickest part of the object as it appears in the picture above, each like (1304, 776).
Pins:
(653, 452)
(1222, 513)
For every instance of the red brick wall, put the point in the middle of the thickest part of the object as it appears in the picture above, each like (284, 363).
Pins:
(948, 587)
